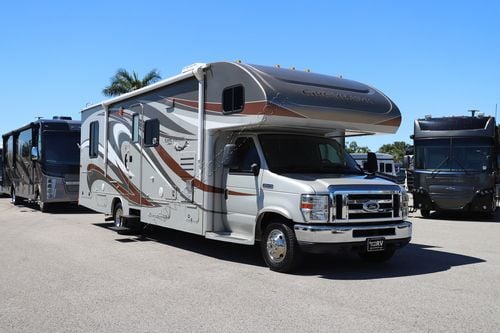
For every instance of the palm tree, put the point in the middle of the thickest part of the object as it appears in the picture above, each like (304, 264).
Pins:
(123, 82)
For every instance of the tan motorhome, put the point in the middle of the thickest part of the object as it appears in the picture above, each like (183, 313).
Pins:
(245, 153)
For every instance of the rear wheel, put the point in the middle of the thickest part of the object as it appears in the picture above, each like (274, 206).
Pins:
(117, 214)
(425, 213)
(377, 256)
(279, 248)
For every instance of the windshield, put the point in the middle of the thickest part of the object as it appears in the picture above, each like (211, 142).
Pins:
(61, 147)
(286, 153)
(454, 154)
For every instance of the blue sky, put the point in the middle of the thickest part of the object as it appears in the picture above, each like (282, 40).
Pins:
(430, 57)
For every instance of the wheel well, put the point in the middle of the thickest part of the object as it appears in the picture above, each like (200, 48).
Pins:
(267, 218)
(115, 202)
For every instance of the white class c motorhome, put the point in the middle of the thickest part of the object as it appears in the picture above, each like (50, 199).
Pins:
(245, 153)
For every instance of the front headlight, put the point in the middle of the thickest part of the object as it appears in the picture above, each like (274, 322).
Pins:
(314, 207)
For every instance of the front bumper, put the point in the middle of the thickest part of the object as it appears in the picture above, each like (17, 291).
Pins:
(333, 238)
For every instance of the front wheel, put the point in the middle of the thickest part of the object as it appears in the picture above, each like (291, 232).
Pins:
(425, 213)
(279, 248)
(117, 215)
(14, 199)
(44, 207)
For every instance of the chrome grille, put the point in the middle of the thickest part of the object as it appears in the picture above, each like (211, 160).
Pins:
(365, 206)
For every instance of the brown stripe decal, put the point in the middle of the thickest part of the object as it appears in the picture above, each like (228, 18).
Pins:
(132, 194)
(184, 175)
(250, 108)
(391, 122)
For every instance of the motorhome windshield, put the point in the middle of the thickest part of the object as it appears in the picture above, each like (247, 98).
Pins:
(61, 147)
(454, 154)
(286, 153)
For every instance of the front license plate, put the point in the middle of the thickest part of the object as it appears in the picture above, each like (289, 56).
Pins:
(374, 245)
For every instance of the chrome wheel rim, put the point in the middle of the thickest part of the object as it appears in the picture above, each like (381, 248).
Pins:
(118, 214)
(276, 246)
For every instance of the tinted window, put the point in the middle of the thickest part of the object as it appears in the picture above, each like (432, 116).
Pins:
(62, 147)
(25, 143)
(233, 99)
(306, 154)
(246, 155)
(151, 132)
(94, 139)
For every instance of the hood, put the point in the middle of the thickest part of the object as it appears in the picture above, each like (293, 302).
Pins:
(319, 183)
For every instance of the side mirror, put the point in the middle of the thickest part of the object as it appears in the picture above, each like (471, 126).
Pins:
(229, 158)
(406, 162)
(371, 163)
(255, 168)
(34, 153)
(409, 150)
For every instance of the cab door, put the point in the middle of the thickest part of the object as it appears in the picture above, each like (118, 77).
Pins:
(242, 191)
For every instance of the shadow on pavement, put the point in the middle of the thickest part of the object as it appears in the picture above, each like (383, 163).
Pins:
(414, 259)
(461, 216)
(56, 208)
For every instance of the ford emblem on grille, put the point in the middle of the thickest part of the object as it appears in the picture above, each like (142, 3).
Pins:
(371, 206)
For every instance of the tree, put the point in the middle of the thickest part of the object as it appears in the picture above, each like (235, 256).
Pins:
(396, 149)
(352, 147)
(123, 82)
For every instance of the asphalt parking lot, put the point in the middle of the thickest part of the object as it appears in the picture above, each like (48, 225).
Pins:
(66, 271)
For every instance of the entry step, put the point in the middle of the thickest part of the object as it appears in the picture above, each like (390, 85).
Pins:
(229, 237)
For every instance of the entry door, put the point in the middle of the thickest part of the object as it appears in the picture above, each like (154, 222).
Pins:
(133, 154)
(242, 189)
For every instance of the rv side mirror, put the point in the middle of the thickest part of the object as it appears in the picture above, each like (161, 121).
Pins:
(371, 163)
(255, 168)
(406, 162)
(229, 158)
(409, 150)
(34, 153)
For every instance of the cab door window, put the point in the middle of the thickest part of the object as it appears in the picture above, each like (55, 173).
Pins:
(247, 156)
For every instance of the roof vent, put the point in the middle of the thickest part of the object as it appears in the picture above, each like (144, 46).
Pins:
(62, 118)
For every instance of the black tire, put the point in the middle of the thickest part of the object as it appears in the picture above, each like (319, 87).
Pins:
(279, 248)
(117, 213)
(425, 213)
(14, 198)
(44, 207)
(377, 257)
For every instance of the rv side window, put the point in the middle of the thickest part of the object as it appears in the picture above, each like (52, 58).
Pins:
(135, 128)
(388, 168)
(94, 139)
(233, 99)
(151, 132)
(247, 155)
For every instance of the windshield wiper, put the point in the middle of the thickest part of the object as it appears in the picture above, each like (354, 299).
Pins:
(436, 170)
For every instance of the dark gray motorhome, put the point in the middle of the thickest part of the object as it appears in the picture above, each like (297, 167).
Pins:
(42, 162)
(455, 164)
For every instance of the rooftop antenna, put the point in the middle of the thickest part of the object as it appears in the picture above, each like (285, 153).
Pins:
(496, 109)
(38, 117)
(473, 112)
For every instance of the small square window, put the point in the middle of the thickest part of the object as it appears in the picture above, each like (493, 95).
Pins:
(233, 99)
